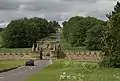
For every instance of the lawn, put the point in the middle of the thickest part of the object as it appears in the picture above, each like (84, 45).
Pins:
(15, 49)
(62, 70)
(7, 64)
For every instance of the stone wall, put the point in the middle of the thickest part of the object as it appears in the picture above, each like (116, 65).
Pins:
(17, 55)
(84, 56)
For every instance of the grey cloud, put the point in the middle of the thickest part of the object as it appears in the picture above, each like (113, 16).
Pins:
(7, 15)
(59, 10)
(48, 6)
(87, 1)
(9, 5)
(13, 4)
(98, 14)
(57, 16)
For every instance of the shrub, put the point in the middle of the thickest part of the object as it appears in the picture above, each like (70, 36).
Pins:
(60, 54)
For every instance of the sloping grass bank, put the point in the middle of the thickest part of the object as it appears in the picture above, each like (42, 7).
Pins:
(63, 70)
(6, 65)
(15, 49)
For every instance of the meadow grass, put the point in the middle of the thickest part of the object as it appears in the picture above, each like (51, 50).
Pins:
(7, 64)
(75, 71)
(15, 49)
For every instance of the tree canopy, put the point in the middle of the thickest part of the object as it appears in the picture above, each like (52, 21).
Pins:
(24, 32)
(111, 39)
(96, 34)
(78, 31)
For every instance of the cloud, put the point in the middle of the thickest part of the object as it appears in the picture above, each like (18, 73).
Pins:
(8, 5)
(2, 25)
(86, 1)
(58, 10)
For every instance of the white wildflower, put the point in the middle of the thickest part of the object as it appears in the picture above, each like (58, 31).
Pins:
(117, 77)
(80, 79)
(62, 76)
(79, 75)
(64, 73)
(84, 63)
(114, 75)
(68, 77)
(117, 73)
(100, 75)
(82, 75)
(74, 77)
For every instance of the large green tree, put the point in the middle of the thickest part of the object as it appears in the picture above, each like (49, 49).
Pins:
(54, 26)
(111, 39)
(24, 32)
(14, 34)
(94, 36)
(75, 30)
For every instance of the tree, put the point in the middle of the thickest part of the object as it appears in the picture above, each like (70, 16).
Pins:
(93, 39)
(75, 30)
(14, 34)
(111, 40)
(94, 35)
(24, 32)
(1, 29)
(116, 10)
(54, 25)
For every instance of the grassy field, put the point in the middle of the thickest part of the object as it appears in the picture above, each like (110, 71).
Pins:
(14, 49)
(7, 64)
(63, 70)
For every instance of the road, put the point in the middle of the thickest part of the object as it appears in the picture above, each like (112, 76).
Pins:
(23, 72)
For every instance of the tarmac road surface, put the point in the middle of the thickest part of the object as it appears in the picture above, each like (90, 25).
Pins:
(23, 72)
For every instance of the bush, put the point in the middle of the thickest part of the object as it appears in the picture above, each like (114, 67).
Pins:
(112, 60)
(60, 54)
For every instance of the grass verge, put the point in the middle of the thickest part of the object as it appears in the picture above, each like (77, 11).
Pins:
(6, 65)
(75, 71)
(14, 49)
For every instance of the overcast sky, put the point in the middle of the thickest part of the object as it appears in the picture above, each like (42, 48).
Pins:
(58, 10)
